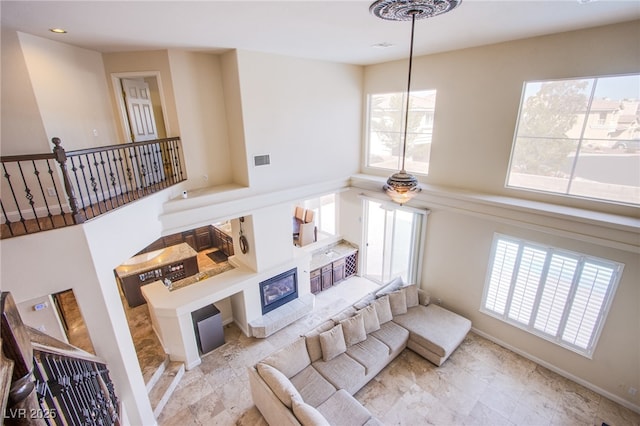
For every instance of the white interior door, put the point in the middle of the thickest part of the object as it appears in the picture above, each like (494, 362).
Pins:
(393, 241)
(139, 110)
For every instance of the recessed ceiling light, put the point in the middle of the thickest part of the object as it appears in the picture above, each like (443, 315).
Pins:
(586, 1)
(382, 45)
(58, 30)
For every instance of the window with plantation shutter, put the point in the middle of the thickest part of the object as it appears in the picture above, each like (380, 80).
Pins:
(558, 295)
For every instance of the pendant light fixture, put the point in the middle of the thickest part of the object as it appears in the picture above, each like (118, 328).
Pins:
(402, 186)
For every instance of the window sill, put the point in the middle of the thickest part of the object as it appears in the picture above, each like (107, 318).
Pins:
(613, 230)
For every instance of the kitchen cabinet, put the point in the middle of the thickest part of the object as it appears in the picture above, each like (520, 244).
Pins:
(223, 241)
(315, 280)
(175, 263)
(327, 277)
(332, 265)
(338, 271)
(203, 238)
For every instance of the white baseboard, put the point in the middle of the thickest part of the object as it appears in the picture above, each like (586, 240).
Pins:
(631, 406)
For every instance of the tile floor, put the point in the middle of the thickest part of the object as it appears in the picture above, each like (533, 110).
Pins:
(481, 383)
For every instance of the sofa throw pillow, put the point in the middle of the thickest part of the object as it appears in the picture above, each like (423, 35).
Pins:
(291, 359)
(332, 343)
(353, 330)
(278, 382)
(306, 414)
(383, 309)
(424, 298)
(345, 313)
(370, 319)
(313, 340)
(398, 302)
(392, 285)
(411, 293)
(365, 301)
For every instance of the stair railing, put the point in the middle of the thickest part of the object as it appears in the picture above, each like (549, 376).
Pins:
(63, 188)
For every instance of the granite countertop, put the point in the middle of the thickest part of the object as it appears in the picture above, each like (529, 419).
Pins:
(203, 275)
(330, 253)
(155, 259)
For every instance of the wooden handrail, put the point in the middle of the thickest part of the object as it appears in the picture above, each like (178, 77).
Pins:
(38, 195)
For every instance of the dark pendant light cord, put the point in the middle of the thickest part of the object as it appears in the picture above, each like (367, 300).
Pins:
(406, 112)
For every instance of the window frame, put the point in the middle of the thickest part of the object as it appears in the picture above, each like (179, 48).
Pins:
(377, 170)
(579, 141)
(550, 251)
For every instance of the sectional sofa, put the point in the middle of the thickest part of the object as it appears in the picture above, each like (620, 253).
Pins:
(312, 380)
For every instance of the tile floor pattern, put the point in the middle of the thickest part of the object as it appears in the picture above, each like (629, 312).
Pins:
(481, 383)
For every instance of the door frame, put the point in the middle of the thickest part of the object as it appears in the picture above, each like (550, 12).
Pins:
(120, 102)
(420, 247)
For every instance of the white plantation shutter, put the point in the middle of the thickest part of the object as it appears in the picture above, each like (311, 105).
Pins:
(555, 294)
(501, 272)
(526, 284)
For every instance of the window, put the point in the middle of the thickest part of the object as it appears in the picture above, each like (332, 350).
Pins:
(558, 295)
(324, 209)
(386, 129)
(579, 137)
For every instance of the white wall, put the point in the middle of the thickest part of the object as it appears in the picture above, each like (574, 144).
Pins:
(58, 70)
(22, 127)
(305, 114)
(200, 104)
(477, 103)
(45, 318)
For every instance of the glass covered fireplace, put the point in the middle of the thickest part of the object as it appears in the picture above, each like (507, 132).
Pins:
(278, 290)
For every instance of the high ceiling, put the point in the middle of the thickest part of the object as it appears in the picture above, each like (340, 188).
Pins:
(334, 30)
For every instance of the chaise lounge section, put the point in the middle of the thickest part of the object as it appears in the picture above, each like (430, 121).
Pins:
(312, 380)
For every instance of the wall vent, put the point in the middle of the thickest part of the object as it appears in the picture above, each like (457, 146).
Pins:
(261, 160)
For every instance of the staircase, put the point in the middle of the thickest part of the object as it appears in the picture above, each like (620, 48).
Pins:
(162, 383)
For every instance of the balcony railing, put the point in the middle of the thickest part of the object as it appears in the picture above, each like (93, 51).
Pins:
(47, 191)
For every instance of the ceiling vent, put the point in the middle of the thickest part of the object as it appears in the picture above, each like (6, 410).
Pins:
(261, 160)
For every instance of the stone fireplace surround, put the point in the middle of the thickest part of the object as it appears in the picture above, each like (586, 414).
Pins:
(236, 293)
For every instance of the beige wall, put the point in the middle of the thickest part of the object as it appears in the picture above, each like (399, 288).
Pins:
(22, 126)
(305, 114)
(477, 103)
(58, 71)
(478, 96)
(200, 104)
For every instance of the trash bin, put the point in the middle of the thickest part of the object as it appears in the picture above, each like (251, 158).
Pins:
(207, 324)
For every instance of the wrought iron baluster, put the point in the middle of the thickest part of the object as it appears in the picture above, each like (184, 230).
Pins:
(29, 196)
(121, 176)
(36, 172)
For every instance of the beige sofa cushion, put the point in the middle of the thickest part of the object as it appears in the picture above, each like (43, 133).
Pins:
(307, 415)
(398, 302)
(332, 343)
(370, 318)
(411, 293)
(291, 359)
(392, 335)
(313, 388)
(383, 309)
(343, 372)
(279, 384)
(313, 340)
(371, 353)
(435, 328)
(353, 329)
(344, 410)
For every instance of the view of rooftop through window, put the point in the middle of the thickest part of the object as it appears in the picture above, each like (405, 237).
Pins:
(580, 137)
(386, 128)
